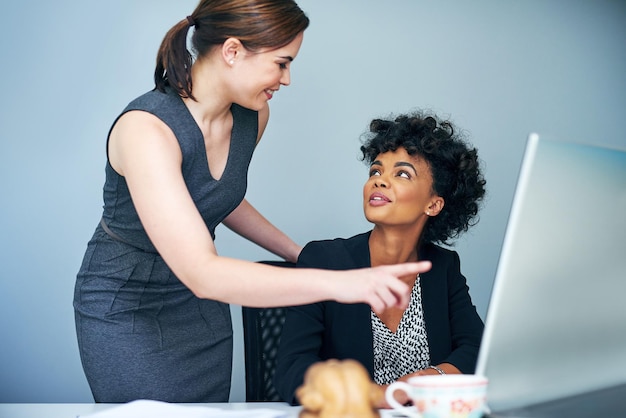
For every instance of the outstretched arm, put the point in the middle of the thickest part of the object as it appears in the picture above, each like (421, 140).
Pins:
(145, 151)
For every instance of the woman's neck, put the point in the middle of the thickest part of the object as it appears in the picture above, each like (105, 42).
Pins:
(393, 245)
(212, 102)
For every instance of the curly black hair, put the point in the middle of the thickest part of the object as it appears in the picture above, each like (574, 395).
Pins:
(453, 163)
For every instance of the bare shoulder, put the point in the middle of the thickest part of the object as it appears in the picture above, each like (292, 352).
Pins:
(139, 123)
(139, 133)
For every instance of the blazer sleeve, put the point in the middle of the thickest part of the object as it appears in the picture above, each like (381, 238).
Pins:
(466, 326)
(301, 338)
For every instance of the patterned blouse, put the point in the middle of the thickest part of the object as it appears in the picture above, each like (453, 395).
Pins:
(405, 351)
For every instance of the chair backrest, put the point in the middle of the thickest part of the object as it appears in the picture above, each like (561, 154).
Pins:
(261, 336)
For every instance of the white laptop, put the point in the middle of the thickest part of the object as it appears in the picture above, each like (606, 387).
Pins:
(555, 330)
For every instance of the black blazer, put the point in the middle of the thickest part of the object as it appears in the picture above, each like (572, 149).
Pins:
(327, 330)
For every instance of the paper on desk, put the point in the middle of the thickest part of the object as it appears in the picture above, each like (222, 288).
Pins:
(156, 409)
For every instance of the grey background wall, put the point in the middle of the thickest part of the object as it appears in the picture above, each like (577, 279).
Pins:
(499, 69)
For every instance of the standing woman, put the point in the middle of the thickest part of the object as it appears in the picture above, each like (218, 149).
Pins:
(151, 297)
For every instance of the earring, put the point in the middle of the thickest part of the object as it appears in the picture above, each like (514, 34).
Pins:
(231, 62)
(428, 212)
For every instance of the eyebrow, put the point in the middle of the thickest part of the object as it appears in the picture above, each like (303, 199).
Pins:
(398, 164)
(287, 57)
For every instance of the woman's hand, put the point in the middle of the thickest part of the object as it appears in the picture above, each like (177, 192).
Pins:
(401, 395)
(447, 368)
(380, 287)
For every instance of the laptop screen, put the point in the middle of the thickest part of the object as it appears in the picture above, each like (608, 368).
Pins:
(556, 321)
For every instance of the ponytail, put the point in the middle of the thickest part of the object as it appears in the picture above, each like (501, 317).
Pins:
(173, 63)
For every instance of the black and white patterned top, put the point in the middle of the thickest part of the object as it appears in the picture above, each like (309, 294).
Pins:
(405, 351)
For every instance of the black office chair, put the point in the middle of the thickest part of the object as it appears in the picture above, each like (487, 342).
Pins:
(261, 335)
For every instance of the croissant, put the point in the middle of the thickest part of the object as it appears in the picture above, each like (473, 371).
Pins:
(338, 389)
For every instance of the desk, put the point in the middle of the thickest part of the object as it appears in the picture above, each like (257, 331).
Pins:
(71, 410)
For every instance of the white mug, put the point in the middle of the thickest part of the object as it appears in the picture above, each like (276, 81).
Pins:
(442, 396)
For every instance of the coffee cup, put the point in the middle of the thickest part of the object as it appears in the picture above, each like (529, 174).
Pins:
(441, 396)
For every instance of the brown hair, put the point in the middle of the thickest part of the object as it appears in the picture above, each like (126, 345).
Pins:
(258, 24)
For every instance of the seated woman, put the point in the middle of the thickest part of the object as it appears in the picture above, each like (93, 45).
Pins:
(425, 186)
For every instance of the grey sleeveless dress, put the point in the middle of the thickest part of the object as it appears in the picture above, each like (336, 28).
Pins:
(142, 334)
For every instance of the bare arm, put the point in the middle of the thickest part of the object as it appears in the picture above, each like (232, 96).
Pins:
(246, 221)
(250, 224)
(146, 153)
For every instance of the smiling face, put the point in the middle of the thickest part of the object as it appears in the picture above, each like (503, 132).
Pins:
(260, 74)
(399, 190)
